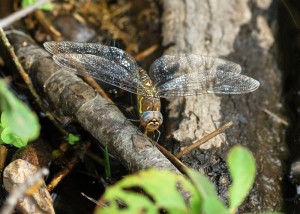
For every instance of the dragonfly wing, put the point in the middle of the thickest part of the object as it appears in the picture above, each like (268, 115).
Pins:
(101, 69)
(169, 67)
(208, 81)
(113, 54)
(190, 74)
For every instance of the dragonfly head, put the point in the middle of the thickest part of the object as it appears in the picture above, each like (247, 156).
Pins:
(151, 120)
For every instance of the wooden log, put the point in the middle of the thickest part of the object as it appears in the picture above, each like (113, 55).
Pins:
(73, 97)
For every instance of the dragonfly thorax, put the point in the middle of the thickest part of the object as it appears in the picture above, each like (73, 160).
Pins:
(149, 104)
(151, 120)
(145, 79)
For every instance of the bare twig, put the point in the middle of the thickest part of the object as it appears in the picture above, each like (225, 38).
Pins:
(72, 96)
(276, 117)
(204, 140)
(173, 159)
(45, 23)
(89, 198)
(68, 168)
(293, 12)
(27, 80)
(20, 14)
(92, 82)
(146, 52)
(96, 158)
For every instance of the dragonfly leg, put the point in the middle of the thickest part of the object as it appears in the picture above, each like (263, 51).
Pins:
(147, 132)
(158, 135)
(131, 120)
(128, 111)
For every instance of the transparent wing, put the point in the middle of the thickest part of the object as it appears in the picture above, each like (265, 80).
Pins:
(190, 74)
(113, 54)
(209, 81)
(101, 69)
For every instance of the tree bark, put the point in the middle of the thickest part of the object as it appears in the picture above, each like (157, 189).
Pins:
(240, 31)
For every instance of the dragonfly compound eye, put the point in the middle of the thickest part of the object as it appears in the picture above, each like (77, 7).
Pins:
(151, 120)
(158, 117)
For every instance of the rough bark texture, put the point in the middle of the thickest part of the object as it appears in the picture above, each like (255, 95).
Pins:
(241, 31)
(72, 96)
(199, 27)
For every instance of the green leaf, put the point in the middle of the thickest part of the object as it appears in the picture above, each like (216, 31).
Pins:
(18, 117)
(19, 142)
(213, 206)
(8, 137)
(160, 190)
(242, 168)
(107, 163)
(204, 186)
(47, 7)
(4, 121)
(72, 139)
(23, 122)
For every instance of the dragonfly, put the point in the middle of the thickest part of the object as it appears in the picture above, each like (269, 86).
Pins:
(169, 76)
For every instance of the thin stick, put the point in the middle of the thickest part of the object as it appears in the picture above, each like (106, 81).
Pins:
(69, 167)
(174, 160)
(146, 52)
(47, 25)
(92, 82)
(204, 139)
(21, 13)
(277, 118)
(28, 81)
(90, 198)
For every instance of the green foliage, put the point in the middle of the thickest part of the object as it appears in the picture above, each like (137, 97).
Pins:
(213, 206)
(72, 139)
(242, 169)
(47, 7)
(203, 185)
(7, 135)
(160, 190)
(210, 202)
(18, 123)
(107, 163)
